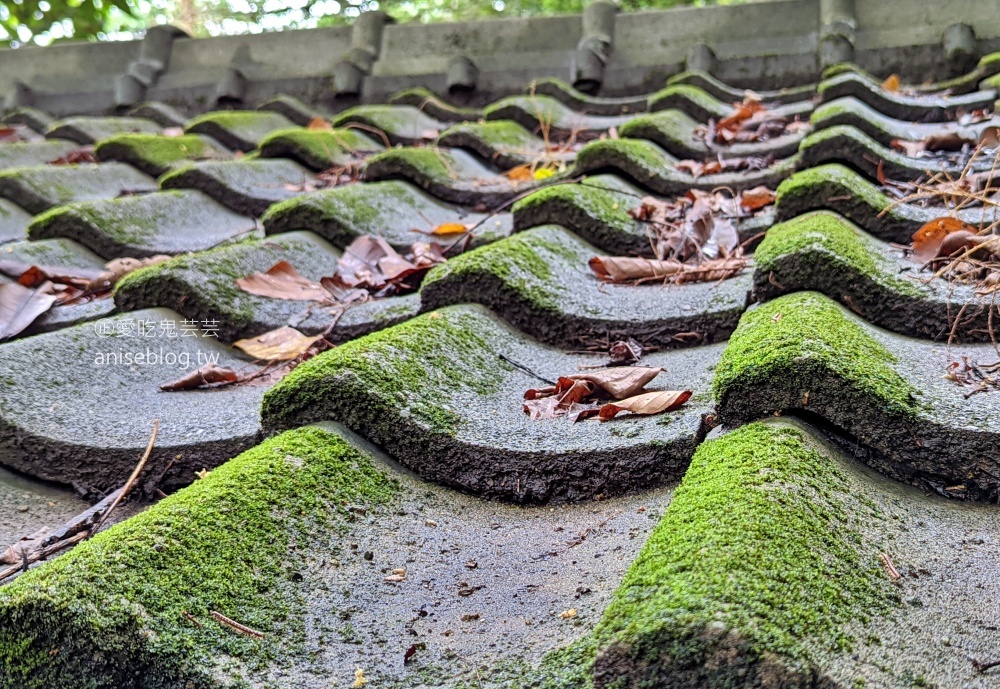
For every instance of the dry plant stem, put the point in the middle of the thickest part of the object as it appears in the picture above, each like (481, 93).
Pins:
(893, 572)
(234, 625)
(43, 553)
(371, 130)
(506, 204)
(131, 479)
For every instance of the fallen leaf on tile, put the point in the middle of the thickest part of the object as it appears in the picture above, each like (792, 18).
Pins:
(282, 344)
(646, 404)
(208, 376)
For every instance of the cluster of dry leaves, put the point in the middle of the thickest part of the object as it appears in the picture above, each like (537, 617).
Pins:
(369, 269)
(603, 393)
(694, 238)
(39, 288)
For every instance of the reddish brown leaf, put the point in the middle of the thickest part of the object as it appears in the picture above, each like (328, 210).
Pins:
(756, 198)
(990, 137)
(928, 239)
(647, 403)
(76, 157)
(282, 344)
(209, 375)
(282, 281)
(20, 306)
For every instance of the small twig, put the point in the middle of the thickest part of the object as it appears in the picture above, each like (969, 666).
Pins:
(236, 626)
(131, 479)
(42, 553)
(983, 667)
(191, 618)
(893, 572)
(525, 369)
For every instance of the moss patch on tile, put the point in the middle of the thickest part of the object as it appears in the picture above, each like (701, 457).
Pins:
(430, 163)
(665, 126)
(153, 152)
(408, 369)
(647, 157)
(690, 99)
(846, 249)
(807, 332)
(111, 613)
(521, 262)
(495, 134)
(537, 108)
(758, 560)
(607, 205)
(318, 148)
(818, 181)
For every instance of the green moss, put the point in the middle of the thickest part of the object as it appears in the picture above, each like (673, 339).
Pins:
(363, 208)
(430, 162)
(318, 148)
(679, 95)
(760, 538)
(113, 608)
(153, 149)
(989, 63)
(543, 109)
(425, 99)
(233, 119)
(647, 156)
(819, 181)
(496, 134)
(607, 205)
(839, 68)
(521, 261)
(388, 118)
(410, 369)
(847, 249)
(668, 125)
(808, 331)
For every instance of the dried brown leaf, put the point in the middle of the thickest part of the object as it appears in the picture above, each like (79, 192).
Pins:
(647, 403)
(208, 376)
(627, 268)
(756, 198)
(20, 306)
(319, 124)
(282, 344)
(621, 381)
(282, 281)
(891, 83)
(928, 239)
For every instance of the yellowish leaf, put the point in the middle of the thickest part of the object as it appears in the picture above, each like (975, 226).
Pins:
(318, 124)
(450, 228)
(282, 344)
(891, 83)
(544, 173)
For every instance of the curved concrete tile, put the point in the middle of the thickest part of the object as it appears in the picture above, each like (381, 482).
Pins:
(246, 186)
(536, 112)
(32, 153)
(242, 130)
(95, 442)
(37, 189)
(702, 106)
(451, 174)
(884, 129)
(805, 354)
(397, 211)
(87, 130)
(403, 125)
(731, 94)
(202, 287)
(438, 395)
(63, 253)
(824, 253)
(436, 107)
(156, 154)
(320, 149)
(168, 222)
(651, 167)
(505, 144)
(920, 108)
(844, 191)
(847, 144)
(675, 132)
(539, 282)
(597, 209)
(585, 103)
